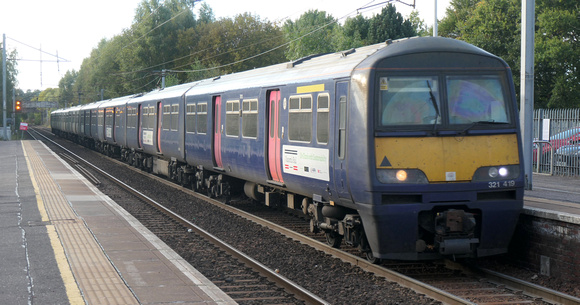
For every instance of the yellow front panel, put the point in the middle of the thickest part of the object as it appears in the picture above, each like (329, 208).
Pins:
(442, 157)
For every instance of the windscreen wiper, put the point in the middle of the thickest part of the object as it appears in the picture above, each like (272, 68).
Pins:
(480, 123)
(434, 101)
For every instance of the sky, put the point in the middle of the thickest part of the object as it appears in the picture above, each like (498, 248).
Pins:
(40, 30)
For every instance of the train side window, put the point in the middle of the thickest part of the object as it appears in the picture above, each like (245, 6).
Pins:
(233, 118)
(118, 113)
(93, 117)
(342, 128)
(145, 117)
(250, 118)
(129, 122)
(300, 118)
(322, 118)
(109, 117)
(166, 123)
(174, 116)
(190, 112)
(202, 118)
(148, 117)
(131, 117)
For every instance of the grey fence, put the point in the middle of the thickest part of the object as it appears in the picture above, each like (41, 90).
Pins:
(557, 141)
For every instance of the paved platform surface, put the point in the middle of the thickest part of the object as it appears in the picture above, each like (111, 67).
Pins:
(554, 197)
(63, 242)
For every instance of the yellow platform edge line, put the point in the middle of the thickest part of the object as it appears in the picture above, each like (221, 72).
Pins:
(72, 289)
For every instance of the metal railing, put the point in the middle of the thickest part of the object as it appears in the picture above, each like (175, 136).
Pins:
(558, 128)
(542, 158)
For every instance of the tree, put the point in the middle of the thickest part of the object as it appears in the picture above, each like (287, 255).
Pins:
(418, 24)
(557, 60)
(353, 34)
(66, 88)
(206, 14)
(11, 73)
(243, 43)
(311, 34)
(389, 24)
(456, 14)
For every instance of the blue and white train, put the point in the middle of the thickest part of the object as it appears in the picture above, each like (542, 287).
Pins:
(408, 149)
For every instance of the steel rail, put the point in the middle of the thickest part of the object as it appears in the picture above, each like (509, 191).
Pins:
(531, 289)
(287, 284)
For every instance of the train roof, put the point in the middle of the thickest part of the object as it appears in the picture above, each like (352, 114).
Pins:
(307, 69)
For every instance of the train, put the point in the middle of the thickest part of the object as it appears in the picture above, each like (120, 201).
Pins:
(407, 150)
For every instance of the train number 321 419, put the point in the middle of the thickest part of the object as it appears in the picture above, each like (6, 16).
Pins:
(500, 184)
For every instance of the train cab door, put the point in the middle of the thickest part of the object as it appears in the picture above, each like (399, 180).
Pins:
(340, 178)
(274, 137)
(217, 131)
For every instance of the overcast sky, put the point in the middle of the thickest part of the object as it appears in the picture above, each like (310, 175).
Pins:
(72, 28)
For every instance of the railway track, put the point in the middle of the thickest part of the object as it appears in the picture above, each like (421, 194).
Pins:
(449, 284)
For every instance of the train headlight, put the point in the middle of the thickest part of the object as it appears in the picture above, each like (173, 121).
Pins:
(489, 173)
(412, 176)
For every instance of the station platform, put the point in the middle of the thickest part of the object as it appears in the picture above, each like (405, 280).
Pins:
(554, 197)
(64, 242)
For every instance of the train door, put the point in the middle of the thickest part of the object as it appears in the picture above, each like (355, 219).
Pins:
(139, 127)
(217, 131)
(340, 179)
(114, 124)
(274, 136)
(159, 121)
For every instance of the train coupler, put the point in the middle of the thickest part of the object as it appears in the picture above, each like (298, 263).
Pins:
(455, 232)
(457, 246)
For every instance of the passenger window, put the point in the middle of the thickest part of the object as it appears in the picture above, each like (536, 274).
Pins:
(190, 118)
(118, 113)
(202, 118)
(166, 117)
(174, 116)
(300, 118)
(233, 118)
(322, 118)
(250, 118)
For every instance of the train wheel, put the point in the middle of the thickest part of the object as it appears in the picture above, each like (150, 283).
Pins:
(371, 258)
(333, 239)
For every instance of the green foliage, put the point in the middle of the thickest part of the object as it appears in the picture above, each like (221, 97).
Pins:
(457, 13)
(418, 24)
(312, 33)
(494, 25)
(389, 24)
(11, 81)
(66, 86)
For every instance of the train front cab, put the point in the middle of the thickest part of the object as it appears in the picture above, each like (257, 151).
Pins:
(445, 178)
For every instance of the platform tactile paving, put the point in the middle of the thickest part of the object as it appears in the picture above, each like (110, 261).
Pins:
(96, 276)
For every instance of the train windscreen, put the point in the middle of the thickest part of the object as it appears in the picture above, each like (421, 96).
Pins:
(443, 101)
